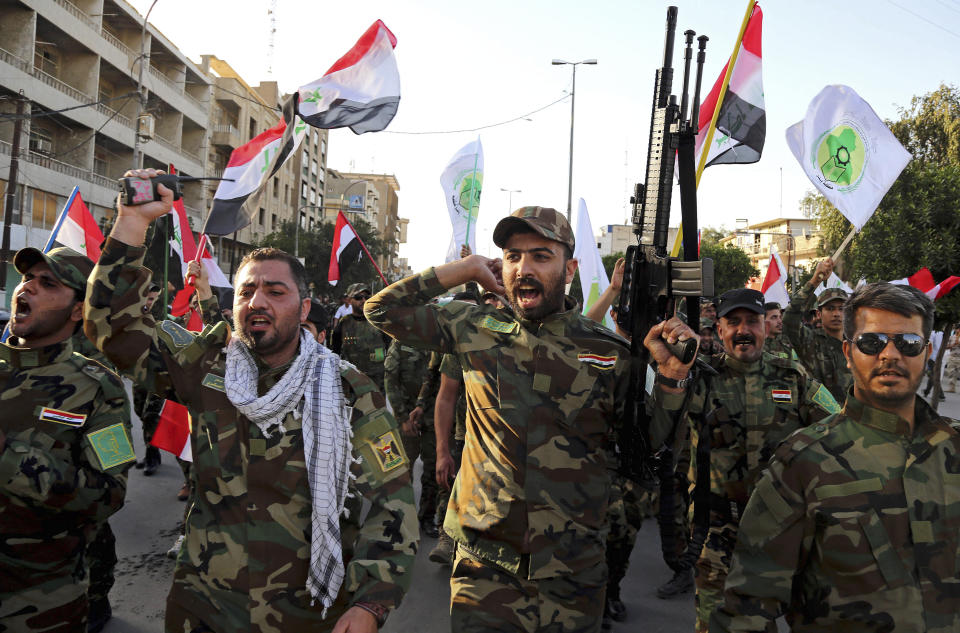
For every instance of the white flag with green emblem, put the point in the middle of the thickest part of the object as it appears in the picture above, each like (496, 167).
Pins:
(462, 183)
(593, 277)
(847, 152)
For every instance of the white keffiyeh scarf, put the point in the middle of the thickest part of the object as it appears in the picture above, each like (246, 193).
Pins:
(314, 376)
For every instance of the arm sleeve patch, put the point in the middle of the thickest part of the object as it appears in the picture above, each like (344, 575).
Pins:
(112, 446)
(826, 401)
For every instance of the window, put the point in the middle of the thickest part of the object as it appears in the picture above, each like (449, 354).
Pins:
(273, 221)
(303, 191)
(45, 209)
(260, 216)
(316, 136)
(105, 92)
(313, 196)
(323, 147)
(253, 128)
(45, 58)
(276, 187)
(100, 162)
(41, 141)
(313, 167)
(286, 194)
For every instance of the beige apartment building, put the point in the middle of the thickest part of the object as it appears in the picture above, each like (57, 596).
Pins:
(796, 239)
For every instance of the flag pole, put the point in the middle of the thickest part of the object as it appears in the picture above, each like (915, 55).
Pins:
(364, 246)
(192, 279)
(63, 216)
(473, 183)
(705, 148)
(843, 244)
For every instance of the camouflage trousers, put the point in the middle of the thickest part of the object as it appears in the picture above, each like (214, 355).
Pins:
(484, 597)
(952, 370)
(443, 496)
(424, 446)
(101, 560)
(624, 515)
(56, 606)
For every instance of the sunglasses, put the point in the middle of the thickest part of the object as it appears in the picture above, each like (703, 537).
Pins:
(872, 343)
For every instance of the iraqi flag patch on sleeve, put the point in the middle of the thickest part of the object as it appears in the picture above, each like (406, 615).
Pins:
(601, 362)
(782, 395)
(62, 417)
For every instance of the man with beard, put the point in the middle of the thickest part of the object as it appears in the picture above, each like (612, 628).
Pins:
(735, 419)
(820, 349)
(777, 342)
(65, 449)
(285, 438)
(358, 342)
(544, 387)
(855, 526)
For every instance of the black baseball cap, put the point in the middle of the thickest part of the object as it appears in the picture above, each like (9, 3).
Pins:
(318, 313)
(741, 298)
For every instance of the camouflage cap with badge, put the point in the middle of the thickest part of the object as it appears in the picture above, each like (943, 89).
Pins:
(356, 289)
(543, 221)
(70, 267)
(831, 294)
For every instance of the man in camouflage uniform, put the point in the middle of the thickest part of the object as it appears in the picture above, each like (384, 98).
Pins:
(544, 387)
(736, 420)
(404, 371)
(358, 342)
(248, 561)
(820, 349)
(777, 342)
(951, 371)
(855, 526)
(65, 448)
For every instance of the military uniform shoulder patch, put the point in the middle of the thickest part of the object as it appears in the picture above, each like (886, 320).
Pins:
(783, 396)
(825, 399)
(75, 420)
(597, 360)
(176, 334)
(112, 446)
(386, 448)
(214, 382)
(502, 327)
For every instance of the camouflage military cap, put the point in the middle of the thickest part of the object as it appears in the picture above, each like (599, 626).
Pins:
(70, 267)
(740, 298)
(707, 301)
(830, 294)
(318, 313)
(707, 323)
(541, 220)
(356, 289)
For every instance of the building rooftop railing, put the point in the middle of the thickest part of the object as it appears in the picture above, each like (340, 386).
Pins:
(59, 166)
(77, 13)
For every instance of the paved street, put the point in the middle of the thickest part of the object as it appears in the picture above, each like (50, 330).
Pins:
(146, 527)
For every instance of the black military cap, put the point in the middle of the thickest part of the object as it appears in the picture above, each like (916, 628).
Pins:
(741, 298)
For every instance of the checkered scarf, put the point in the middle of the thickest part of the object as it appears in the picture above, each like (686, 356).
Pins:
(314, 377)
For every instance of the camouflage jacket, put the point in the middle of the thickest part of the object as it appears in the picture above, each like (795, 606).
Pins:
(751, 408)
(404, 372)
(358, 342)
(244, 563)
(450, 367)
(819, 352)
(779, 345)
(855, 527)
(531, 494)
(66, 421)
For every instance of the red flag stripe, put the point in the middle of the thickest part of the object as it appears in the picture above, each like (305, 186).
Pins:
(362, 47)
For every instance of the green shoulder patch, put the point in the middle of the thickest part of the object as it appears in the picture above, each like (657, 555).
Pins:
(503, 327)
(825, 399)
(386, 448)
(112, 446)
(176, 334)
(213, 382)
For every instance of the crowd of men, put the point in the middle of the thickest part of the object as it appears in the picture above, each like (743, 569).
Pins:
(796, 473)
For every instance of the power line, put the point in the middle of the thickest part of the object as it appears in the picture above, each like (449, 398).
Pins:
(928, 21)
(13, 117)
(483, 127)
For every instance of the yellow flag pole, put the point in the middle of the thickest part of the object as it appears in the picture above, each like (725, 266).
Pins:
(705, 148)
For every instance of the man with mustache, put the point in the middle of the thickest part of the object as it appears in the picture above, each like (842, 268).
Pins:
(65, 449)
(855, 526)
(736, 419)
(545, 389)
(287, 439)
(820, 349)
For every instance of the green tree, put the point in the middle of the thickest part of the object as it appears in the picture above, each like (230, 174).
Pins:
(731, 266)
(315, 246)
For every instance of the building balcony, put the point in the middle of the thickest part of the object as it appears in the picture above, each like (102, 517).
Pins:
(227, 136)
(72, 172)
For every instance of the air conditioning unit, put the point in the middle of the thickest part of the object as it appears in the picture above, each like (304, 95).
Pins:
(145, 126)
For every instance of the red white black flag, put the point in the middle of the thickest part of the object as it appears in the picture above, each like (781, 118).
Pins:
(347, 249)
(741, 126)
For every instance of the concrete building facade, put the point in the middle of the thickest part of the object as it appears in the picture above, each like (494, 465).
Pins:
(796, 239)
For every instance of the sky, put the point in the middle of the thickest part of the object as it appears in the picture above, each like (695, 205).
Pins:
(464, 65)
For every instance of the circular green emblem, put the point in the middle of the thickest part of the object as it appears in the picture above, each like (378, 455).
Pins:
(841, 156)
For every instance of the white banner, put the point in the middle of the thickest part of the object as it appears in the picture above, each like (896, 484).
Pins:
(462, 183)
(847, 152)
(593, 277)
(832, 282)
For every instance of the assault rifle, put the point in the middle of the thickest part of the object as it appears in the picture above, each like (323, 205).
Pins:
(653, 282)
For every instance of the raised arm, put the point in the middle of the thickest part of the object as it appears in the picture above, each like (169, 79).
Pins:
(799, 335)
(598, 311)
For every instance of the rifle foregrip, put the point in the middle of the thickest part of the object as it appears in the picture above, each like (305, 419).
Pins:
(686, 350)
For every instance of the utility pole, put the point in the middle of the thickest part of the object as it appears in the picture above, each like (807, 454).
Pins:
(11, 192)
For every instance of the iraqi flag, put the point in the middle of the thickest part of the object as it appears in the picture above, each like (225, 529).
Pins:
(173, 431)
(774, 286)
(250, 167)
(923, 281)
(347, 249)
(185, 246)
(76, 228)
(741, 125)
(360, 91)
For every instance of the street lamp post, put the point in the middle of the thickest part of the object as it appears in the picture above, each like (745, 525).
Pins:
(510, 193)
(137, 158)
(573, 101)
